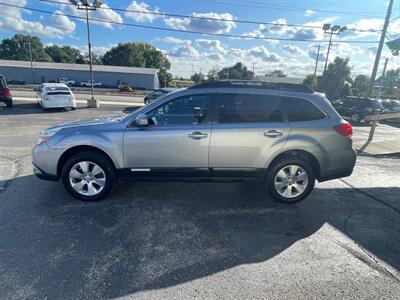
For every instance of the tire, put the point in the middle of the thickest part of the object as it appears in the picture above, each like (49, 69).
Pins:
(9, 103)
(273, 179)
(88, 186)
(356, 118)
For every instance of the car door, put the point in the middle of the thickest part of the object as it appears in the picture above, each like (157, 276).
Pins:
(249, 128)
(175, 142)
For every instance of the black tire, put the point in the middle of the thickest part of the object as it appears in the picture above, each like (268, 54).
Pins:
(281, 163)
(356, 117)
(97, 158)
(9, 103)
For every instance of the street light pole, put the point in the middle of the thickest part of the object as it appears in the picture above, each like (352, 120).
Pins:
(90, 51)
(316, 66)
(336, 29)
(329, 49)
(31, 58)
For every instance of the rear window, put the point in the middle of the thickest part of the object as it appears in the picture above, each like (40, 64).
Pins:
(57, 90)
(3, 83)
(301, 110)
(248, 108)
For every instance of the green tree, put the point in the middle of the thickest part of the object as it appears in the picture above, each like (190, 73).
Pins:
(198, 77)
(310, 82)
(360, 85)
(334, 78)
(139, 54)
(212, 75)
(276, 73)
(17, 48)
(65, 54)
(389, 81)
(238, 71)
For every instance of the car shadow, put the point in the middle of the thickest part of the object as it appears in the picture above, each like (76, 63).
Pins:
(157, 235)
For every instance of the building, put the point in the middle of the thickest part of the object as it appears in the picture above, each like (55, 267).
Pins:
(110, 76)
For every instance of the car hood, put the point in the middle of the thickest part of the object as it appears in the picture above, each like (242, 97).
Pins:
(95, 121)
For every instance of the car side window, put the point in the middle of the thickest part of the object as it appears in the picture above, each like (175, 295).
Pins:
(248, 108)
(186, 110)
(301, 110)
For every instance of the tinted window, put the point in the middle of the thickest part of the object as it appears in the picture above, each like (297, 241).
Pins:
(248, 108)
(57, 90)
(2, 82)
(185, 110)
(301, 110)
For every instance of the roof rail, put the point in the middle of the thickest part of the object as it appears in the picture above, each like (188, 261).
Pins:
(293, 87)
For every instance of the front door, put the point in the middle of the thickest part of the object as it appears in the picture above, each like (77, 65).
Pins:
(176, 141)
(249, 128)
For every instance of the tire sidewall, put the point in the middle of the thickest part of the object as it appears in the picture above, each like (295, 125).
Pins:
(273, 170)
(100, 160)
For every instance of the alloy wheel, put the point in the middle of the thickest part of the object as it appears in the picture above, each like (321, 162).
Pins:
(291, 181)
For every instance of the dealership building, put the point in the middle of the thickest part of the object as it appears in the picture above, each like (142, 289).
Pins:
(110, 76)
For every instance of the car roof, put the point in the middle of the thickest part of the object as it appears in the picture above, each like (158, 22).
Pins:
(50, 84)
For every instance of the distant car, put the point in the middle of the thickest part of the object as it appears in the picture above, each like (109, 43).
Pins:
(356, 108)
(66, 81)
(391, 105)
(89, 83)
(157, 94)
(55, 95)
(5, 93)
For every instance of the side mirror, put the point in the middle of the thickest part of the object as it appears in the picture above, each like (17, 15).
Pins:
(199, 113)
(142, 120)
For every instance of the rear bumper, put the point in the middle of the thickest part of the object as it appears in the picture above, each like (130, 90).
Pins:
(5, 99)
(58, 104)
(341, 164)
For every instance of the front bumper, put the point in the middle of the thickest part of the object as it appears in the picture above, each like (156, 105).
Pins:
(43, 175)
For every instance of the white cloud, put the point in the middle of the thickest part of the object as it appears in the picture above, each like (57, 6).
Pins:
(309, 13)
(213, 45)
(98, 50)
(294, 50)
(141, 17)
(183, 51)
(12, 19)
(206, 25)
(173, 40)
(263, 54)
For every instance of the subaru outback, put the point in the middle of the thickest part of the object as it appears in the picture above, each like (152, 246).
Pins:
(284, 136)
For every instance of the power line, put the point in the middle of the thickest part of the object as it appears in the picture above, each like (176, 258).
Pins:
(184, 31)
(211, 18)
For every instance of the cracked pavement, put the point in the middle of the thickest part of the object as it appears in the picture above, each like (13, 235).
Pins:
(192, 240)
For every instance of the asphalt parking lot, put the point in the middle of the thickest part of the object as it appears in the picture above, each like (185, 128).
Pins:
(197, 240)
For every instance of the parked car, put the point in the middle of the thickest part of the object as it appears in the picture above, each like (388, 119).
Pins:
(356, 108)
(89, 83)
(156, 94)
(66, 81)
(282, 135)
(5, 93)
(391, 105)
(55, 95)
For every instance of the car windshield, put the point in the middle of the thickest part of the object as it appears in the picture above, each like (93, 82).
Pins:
(57, 90)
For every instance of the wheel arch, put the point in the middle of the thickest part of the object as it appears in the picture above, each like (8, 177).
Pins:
(76, 149)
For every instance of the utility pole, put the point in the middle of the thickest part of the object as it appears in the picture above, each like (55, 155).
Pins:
(253, 71)
(316, 66)
(379, 51)
(375, 70)
(336, 29)
(31, 58)
(86, 7)
(383, 75)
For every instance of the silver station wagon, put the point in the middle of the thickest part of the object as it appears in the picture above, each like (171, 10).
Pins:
(284, 136)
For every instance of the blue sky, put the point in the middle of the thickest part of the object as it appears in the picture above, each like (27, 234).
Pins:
(192, 52)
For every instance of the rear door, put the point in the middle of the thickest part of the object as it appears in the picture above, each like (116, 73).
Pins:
(249, 127)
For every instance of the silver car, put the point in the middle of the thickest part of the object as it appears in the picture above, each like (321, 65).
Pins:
(284, 136)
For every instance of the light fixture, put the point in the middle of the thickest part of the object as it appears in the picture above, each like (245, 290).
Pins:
(85, 2)
(73, 2)
(97, 3)
(335, 28)
(344, 28)
(326, 27)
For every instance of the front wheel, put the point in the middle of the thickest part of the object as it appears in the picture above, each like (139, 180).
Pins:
(290, 180)
(88, 176)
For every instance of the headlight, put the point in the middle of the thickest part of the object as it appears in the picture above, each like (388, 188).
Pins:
(45, 135)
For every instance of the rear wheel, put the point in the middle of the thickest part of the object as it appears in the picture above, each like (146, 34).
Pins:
(290, 180)
(88, 176)
(9, 103)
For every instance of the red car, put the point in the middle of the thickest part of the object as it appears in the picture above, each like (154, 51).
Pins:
(5, 93)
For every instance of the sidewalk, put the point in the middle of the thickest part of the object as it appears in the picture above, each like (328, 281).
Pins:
(381, 148)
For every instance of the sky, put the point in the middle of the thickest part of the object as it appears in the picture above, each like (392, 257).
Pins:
(189, 52)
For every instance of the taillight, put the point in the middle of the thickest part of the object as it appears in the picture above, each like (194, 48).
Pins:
(7, 92)
(344, 129)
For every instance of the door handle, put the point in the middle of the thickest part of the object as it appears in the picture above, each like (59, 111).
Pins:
(197, 135)
(273, 133)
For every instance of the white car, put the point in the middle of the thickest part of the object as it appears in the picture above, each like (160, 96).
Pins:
(89, 83)
(55, 95)
(66, 81)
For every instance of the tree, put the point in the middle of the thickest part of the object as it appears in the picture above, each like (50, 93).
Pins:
(212, 75)
(139, 54)
(360, 85)
(65, 54)
(389, 81)
(238, 71)
(276, 73)
(17, 48)
(334, 78)
(198, 77)
(310, 81)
